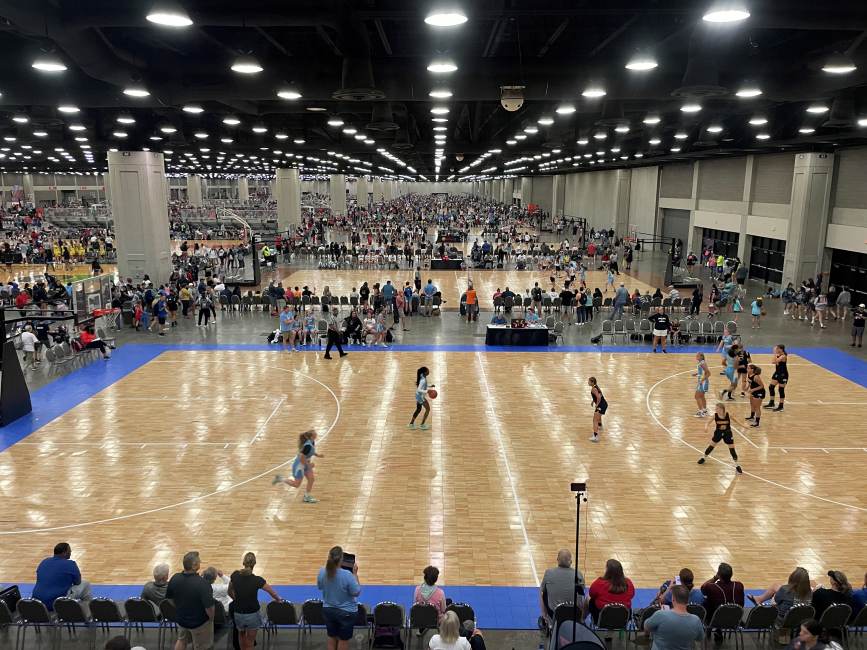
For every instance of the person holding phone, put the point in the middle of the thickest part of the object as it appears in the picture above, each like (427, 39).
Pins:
(421, 401)
(340, 591)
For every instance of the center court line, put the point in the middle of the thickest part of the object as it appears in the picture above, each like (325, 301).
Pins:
(265, 423)
(722, 462)
(505, 458)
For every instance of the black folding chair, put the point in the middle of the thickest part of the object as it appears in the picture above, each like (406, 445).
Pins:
(422, 618)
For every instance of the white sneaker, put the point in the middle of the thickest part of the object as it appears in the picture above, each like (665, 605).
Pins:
(699, 414)
(594, 438)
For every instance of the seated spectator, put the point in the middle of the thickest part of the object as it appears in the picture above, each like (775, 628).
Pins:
(353, 330)
(719, 590)
(797, 589)
(427, 593)
(219, 585)
(90, 341)
(117, 643)
(58, 576)
(840, 591)
(449, 637)
(613, 587)
(675, 628)
(531, 316)
(859, 598)
(558, 585)
(686, 578)
(474, 635)
(155, 590)
(811, 636)
(498, 319)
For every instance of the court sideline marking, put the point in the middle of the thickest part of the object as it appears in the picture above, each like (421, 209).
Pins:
(201, 497)
(502, 449)
(723, 462)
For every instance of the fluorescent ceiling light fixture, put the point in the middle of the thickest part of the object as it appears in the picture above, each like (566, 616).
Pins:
(641, 62)
(281, 136)
(195, 109)
(21, 119)
(520, 136)
(335, 121)
(726, 12)
(155, 138)
(817, 108)
(593, 92)
(442, 66)
(446, 18)
(531, 129)
(600, 135)
(440, 93)
(763, 136)
(748, 92)
(639, 155)
(714, 128)
(231, 120)
(582, 141)
(839, 64)
(299, 141)
(49, 64)
(68, 108)
(169, 15)
(77, 127)
(367, 141)
(615, 149)
(758, 120)
(289, 93)
(652, 119)
(565, 109)
(862, 121)
(119, 134)
(136, 91)
(806, 130)
(439, 110)
(622, 128)
(511, 142)
(247, 65)
(168, 128)
(441, 128)
(40, 134)
(545, 120)
(350, 130)
(126, 119)
(259, 128)
(654, 141)
(691, 108)
(674, 149)
(201, 135)
(360, 136)
(226, 140)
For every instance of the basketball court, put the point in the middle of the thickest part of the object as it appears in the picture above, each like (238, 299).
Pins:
(170, 448)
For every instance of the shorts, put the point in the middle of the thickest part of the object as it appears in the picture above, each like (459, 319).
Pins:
(201, 638)
(339, 623)
(730, 374)
(660, 333)
(298, 469)
(703, 386)
(601, 408)
(780, 379)
(248, 621)
(419, 398)
(858, 330)
(162, 320)
(759, 394)
(725, 435)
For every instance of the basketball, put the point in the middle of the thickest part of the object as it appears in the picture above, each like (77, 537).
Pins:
(432, 393)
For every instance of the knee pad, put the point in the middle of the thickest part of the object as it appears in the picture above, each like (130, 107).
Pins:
(782, 392)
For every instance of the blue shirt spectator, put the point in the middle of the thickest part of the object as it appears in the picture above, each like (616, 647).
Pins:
(859, 598)
(339, 592)
(56, 576)
(429, 289)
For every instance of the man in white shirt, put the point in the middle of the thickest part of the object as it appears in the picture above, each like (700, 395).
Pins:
(30, 344)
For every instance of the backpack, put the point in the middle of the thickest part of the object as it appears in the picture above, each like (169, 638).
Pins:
(386, 636)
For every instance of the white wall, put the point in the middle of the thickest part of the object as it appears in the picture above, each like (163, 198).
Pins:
(643, 199)
(593, 196)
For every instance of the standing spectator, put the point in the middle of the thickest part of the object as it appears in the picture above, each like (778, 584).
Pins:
(340, 590)
(194, 602)
(858, 317)
(155, 590)
(719, 590)
(558, 585)
(621, 299)
(844, 299)
(427, 593)
(675, 629)
(613, 587)
(472, 303)
(244, 588)
(756, 313)
(58, 576)
(30, 344)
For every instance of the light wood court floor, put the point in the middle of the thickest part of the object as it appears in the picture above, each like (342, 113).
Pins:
(451, 283)
(179, 454)
(34, 272)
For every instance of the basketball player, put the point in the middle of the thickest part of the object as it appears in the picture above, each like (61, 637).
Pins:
(421, 402)
(722, 421)
(743, 364)
(757, 393)
(730, 372)
(661, 325)
(599, 407)
(780, 377)
(302, 466)
(703, 385)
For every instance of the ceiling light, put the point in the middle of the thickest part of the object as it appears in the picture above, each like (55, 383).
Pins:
(726, 12)
(652, 119)
(639, 155)
(641, 63)
(680, 135)
(299, 141)
(126, 119)
(136, 91)
(439, 110)
(155, 138)
(440, 93)
(259, 128)
(335, 121)
(169, 15)
(511, 142)
(246, 65)
(862, 121)
(446, 18)
(714, 128)
(40, 134)
(68, 108)
(440, 120)
(654, 141)
(520, 136)
(531, 129)
(748, 92)
(622, 128)
(350, 130)
(763, 136)
(546, 120)
(367, 141)
(690, 108)
(600, 135)
(674, 149)
(838, 64)
(226, 140)
(440, 128)
(289, 93)
(817, 108)
(231, 120)
(360, 136)
(806, 130)
(195, 109)
(201, 135)
(21, 119)
(615, 149)
(582, 141)
(168, 128)
(593, 92)
(77, 127)
(49, 64)
(119, 134)
(565, 109)
(281, 136)
(758, 120)
(441, 66)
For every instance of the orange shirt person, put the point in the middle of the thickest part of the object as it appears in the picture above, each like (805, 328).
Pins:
(472, 305)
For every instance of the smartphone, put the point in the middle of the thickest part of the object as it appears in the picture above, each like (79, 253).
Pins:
(677, 580)
(348, 562)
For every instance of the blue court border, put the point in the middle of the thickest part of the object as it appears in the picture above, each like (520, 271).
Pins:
(496, 607)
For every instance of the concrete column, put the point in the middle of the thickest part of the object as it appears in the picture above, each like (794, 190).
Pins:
(621, 202)
(141, 221)
(558, 196)
(288, 195)
(811, 196)
(243, 189)
(106, 188)
(694, 239)
(526, 191)
(27, 186)
(378, 193)
(744, 239)
(194, 190)
(362, 192)
(337, 188)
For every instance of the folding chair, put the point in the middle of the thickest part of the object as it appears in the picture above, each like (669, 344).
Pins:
(619, 330)
(70, 613)
(640, 617)
(796, 615)
(421, 618)
(140, 612)
(613, 617)
(727, 620)
(388, 614)
(697, 610)
(464, 611)
(607, 330)
(835, 618)
(32, 613)
(311, 614)
(280, 613)
(761, 620)
(169, 621)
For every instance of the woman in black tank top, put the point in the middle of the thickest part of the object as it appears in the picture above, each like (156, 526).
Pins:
(722, 421)
(780, 377)
(599, 407)
(757, 393)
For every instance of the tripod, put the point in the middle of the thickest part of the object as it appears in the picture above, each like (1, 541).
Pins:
(579, 489)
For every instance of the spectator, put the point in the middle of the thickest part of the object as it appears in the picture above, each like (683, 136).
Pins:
(796, 590)
(244, 588)
(89, 340)
(427, 593)
(219, 585)
(858, 317)
(194, 602)
(840, 591)
(155, 590)
(621, 299)
(811, 636)
(449, 637)
(474, 636)
(613, 587)
(340, 590)
(117, 643)
(58, 576)
(686, 578)
(859, 598)
(675, 629)
(30, 344)
(719, 590)
(558, 585)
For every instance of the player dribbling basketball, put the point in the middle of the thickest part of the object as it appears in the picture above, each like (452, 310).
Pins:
(421, 395)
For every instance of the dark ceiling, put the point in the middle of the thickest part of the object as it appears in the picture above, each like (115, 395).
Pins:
(365, 61)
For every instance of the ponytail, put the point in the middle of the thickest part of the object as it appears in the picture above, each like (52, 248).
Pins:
(335, 557)
(423, 371)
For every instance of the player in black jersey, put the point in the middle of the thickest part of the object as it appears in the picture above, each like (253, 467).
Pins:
(600, 405)
(742, 366)
(757, 393)
(780, 377)
(722, 421)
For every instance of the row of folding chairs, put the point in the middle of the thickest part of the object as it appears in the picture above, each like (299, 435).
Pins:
(641, 331)
(136, 614)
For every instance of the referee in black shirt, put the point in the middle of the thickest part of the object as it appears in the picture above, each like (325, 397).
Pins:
(661, 326)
